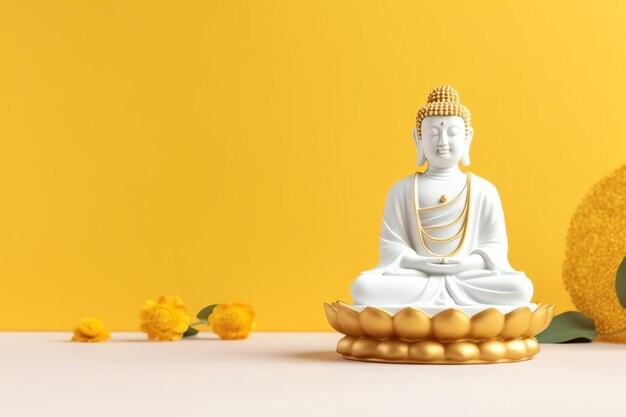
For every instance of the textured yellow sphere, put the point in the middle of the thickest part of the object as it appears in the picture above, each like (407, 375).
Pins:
(596, 245)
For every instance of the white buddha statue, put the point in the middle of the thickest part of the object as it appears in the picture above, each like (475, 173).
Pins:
(443, 242)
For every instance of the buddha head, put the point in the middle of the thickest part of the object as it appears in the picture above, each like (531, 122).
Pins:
(443, 132)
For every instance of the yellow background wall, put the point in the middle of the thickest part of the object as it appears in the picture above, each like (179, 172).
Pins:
(242, 150)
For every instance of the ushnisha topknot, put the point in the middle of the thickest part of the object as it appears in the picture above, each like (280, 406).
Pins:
(443, 101)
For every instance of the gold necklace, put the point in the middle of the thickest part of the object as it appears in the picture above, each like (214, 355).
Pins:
(456, 235)
(462, 231)
(453, 222)
(446, 202)
(444, 239)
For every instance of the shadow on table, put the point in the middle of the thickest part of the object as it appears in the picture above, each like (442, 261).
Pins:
(319, 356)
(129, 340)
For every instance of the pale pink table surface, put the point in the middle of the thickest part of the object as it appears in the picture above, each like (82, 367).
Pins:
(292, 374)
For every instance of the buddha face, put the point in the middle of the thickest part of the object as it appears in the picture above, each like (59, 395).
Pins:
(444, 141)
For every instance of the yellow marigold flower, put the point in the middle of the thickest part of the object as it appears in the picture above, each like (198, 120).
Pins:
(232, 321)
(90, 330)
(594, 250)
(164, 319)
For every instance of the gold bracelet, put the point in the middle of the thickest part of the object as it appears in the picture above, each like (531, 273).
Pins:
(419, 226)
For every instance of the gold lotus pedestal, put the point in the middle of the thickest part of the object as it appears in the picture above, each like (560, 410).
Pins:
(449, 337)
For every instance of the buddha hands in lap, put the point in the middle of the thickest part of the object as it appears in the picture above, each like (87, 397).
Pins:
(443, 241)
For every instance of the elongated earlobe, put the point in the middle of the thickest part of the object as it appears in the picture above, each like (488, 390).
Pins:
(421, 158)
(465, 157)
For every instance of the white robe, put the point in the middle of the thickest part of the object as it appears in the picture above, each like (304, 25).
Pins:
(390, 284)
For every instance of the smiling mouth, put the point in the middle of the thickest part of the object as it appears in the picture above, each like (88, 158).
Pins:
(443, 150)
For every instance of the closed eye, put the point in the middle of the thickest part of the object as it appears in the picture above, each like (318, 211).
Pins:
(453, 131)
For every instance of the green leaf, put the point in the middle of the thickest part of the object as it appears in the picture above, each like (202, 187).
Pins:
(569, 327)
(191, 331)
(620, 283)
(206, 312)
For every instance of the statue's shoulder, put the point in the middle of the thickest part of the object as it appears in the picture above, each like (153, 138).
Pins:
(483, 182)
(401, 187)
(404, 184)
(483, 186)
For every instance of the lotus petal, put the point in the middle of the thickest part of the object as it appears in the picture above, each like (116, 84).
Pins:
(516, 323)
(532, 346)
(462, 351)
(412, 324)
(348, 320)
(394, 350)
(331, 316)
(516, 349)
(492, 350)
(451, 324)
(549, 319)
(344, 346)
(427, 350)
(487, 324)
(376, 322)
(364, 348)
(537, 320)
